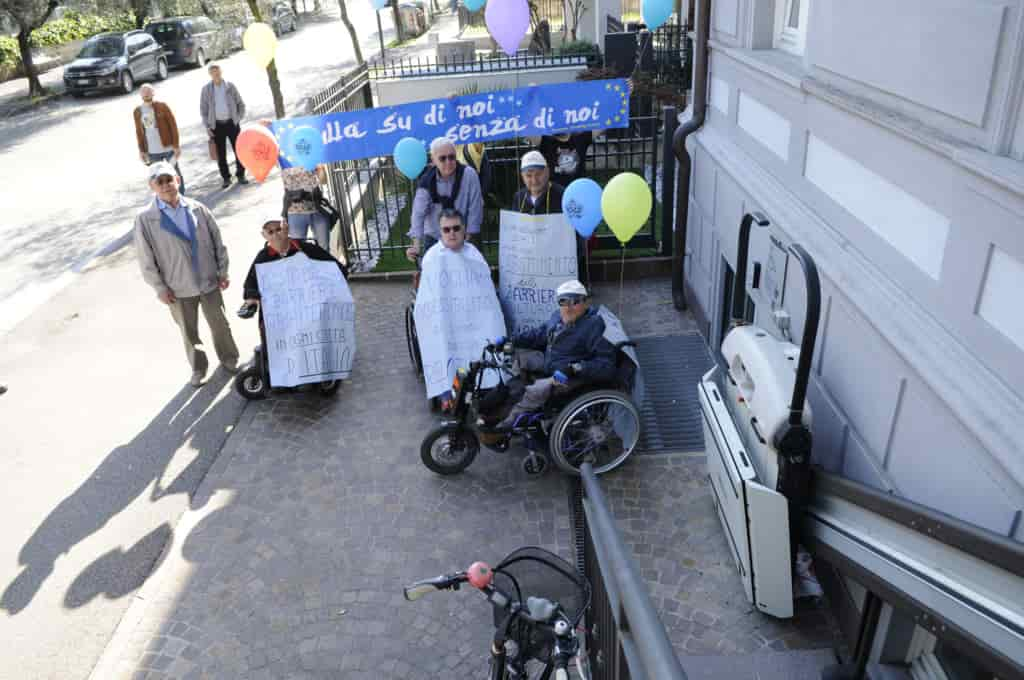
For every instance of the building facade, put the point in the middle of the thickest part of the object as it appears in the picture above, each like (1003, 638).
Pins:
(887, 138)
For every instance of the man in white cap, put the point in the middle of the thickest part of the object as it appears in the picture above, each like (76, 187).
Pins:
(570, 349)
(182, 256)
(540, 196)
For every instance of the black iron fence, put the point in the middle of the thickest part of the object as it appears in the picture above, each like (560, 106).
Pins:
(348, 93)
(424, 67)
(625, 638)
(375, 199)
(631, 9)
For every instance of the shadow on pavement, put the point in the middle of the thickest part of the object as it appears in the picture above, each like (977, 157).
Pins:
(120, 479)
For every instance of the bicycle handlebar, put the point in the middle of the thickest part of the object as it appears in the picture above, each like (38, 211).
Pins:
(417, 590)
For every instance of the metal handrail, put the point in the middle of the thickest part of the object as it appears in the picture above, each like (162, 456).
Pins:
(643, 636)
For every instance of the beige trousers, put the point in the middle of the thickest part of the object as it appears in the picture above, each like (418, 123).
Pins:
(186, 314)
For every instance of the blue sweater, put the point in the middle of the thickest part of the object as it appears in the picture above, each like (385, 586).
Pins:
(563, 344)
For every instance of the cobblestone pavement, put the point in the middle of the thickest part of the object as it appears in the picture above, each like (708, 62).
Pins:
(318, 511)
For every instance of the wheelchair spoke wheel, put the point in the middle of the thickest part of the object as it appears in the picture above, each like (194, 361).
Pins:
(449, 450)
(601, 428)
(412, 341)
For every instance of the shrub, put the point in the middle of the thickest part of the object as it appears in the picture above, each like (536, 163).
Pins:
(76, 26)
(577, 47)
(10, 56)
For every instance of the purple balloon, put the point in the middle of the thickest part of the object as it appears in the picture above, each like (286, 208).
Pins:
(508, 21)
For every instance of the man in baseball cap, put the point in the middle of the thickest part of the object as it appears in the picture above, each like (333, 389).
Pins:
(540, 196)
(182, 256)
(570, 348)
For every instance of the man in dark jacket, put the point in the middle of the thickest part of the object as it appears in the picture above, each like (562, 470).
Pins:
(570, 348)
(278, 246)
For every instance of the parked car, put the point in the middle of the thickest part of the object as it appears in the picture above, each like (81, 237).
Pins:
(115, 61)
(283, 19)
(190, 40)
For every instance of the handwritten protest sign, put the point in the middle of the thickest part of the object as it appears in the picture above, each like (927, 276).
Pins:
(536, 253)
(309, 317)
(457, 312)
(486, 117)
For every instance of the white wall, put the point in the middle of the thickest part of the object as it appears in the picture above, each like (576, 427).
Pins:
(405, 90)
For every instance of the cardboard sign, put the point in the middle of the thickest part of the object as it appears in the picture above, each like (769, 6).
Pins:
(457, 313)
(309, 320)
(536, 254)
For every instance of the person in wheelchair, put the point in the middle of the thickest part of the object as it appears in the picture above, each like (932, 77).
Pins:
(564, 354)
(279, 245)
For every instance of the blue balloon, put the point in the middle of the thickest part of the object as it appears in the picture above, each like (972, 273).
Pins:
(474, 5)
(655, 12)
(410, 157)
(305, 147)
(581, 205)
(379, 4)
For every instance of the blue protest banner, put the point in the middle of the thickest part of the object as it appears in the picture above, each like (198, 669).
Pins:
(485, 117)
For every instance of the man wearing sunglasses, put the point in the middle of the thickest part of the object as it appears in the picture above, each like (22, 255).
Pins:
(447, 185)
(182, 256)
(279, 245)
(570, 349)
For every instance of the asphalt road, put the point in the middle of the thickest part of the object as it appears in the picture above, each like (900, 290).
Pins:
(71, 177)
(103, 443)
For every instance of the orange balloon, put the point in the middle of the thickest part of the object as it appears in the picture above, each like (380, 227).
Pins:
(257, 149)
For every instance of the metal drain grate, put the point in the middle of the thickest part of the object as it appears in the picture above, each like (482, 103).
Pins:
(670, 367)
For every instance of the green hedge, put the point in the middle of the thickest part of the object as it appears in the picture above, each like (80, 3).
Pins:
(72, 26)
(76, 26)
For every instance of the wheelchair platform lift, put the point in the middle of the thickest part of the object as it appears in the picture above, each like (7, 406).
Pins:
(758, 437)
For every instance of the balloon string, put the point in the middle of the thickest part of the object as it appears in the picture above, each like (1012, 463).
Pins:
(622, 274)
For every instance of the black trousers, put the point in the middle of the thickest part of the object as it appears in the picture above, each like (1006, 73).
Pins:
(227, 130)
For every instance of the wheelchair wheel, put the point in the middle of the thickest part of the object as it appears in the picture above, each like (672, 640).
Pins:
(601, 428)
(249, 383)
(449, 450)
(412, 341)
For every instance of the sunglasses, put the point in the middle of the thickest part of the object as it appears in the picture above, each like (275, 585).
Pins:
(455, 229)
(569, 302)
(446, 157)
(164, 179)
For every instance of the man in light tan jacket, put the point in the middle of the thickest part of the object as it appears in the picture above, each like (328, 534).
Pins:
(182, 256)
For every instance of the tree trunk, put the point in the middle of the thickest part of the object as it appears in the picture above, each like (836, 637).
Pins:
(351, 32)
(35, 88)
(275, 89)
(399, 29)
(275, 83)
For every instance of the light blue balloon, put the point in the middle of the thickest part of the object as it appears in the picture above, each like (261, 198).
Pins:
(379, 4)
(474, 5)
(655, 13)
(410, 157)
(581, 205)
(305, 147)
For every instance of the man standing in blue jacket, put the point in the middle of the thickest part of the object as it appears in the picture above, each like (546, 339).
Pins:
(570, 349)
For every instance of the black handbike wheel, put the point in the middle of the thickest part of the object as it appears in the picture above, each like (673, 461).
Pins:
(449, 450)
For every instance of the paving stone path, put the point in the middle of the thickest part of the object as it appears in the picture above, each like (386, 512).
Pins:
(291, 562)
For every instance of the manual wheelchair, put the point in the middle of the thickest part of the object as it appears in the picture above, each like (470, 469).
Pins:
(596, 423)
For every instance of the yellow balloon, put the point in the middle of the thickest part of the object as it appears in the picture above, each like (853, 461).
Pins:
(626, 204)
(260, 43)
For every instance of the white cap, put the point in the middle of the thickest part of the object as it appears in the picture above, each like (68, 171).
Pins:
(532, 159)
(571, 287)
(161, 168)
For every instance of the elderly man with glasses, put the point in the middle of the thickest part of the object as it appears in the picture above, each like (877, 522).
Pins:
(447, 185)
(570, 350)
(280, 245)
(182, 256)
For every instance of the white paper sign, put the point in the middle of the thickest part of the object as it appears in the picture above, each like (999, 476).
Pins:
(457, 313)
(536, 254)
(309, 320)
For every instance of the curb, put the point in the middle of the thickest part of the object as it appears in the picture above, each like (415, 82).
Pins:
(600, 270)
